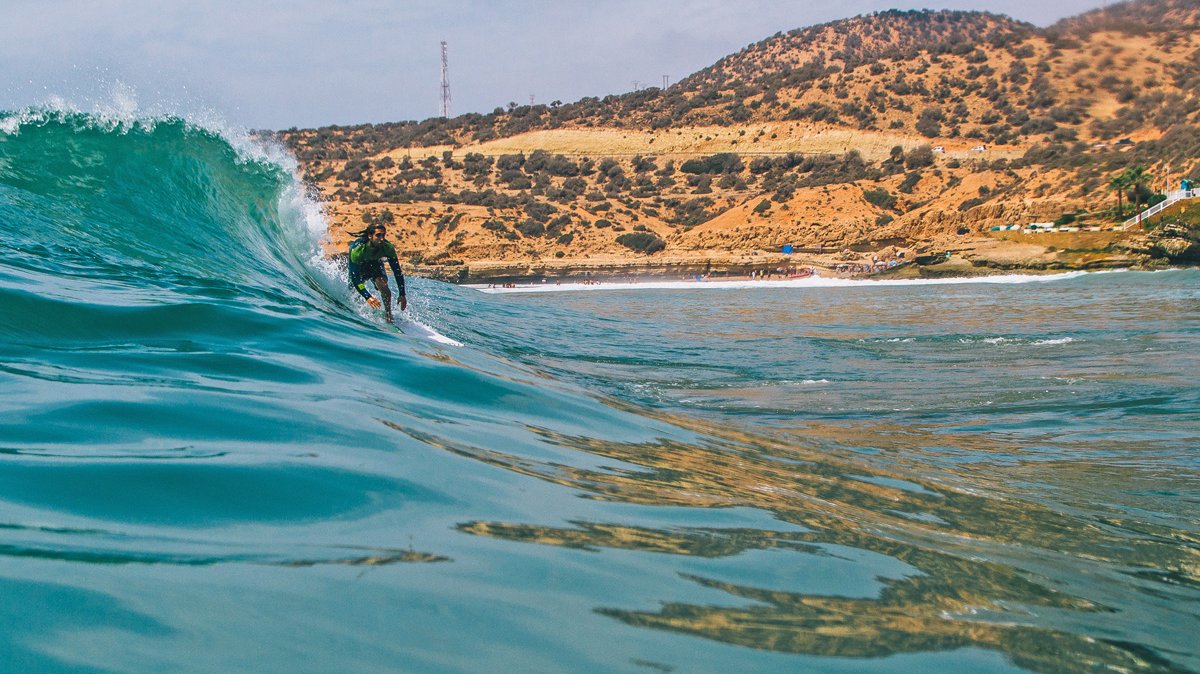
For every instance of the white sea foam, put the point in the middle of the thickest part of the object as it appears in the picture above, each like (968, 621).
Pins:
(119, 109)
(11, 125)
(995, 341)
(1061, 340)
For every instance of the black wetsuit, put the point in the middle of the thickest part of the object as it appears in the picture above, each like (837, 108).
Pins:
(366, 262)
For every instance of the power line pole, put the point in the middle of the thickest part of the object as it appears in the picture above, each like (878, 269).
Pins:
(445, 82)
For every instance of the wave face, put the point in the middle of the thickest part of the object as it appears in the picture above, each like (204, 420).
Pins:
(212, 458)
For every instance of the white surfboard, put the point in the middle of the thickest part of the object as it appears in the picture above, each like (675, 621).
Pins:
(415, 328)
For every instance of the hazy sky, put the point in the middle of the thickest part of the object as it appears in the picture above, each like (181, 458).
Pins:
(312, 62)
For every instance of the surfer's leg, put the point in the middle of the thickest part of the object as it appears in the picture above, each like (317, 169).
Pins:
(385, 295)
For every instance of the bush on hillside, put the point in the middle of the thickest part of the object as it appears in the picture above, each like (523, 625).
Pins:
(530, 227)
(539, 210)
(910, 182)
(919, 157)
(509, 162)
(880, 197)
(642, 242)
(724, 162)
(929, 122)
(554, 164)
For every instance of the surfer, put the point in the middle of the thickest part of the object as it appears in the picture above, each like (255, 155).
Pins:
(367, 253)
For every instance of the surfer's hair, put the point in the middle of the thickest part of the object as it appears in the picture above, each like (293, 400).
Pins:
(369, 230)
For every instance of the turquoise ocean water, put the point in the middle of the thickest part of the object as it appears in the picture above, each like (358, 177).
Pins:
(212, 459)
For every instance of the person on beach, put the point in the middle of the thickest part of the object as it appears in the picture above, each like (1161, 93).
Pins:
(367, 253)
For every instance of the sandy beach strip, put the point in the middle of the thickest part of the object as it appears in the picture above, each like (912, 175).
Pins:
(549, 286)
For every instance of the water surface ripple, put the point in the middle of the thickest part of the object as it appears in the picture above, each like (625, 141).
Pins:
(212, 459)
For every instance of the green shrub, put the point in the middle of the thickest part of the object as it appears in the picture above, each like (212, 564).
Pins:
(510, 162)
(725, 162)
(531, 227)
(880, 197)
(929, 122)
(642, 242)
(919, 157)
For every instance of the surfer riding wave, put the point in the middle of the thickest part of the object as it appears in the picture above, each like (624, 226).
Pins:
(367, 253)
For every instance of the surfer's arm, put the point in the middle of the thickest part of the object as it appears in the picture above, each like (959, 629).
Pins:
(399, 276)
(358, 281)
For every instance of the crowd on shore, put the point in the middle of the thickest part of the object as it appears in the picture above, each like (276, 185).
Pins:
(784, 272)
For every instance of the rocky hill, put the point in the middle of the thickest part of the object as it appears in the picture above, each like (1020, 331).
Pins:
(918, 130)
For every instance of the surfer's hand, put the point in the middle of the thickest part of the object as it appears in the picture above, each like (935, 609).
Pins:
(403, 303)
(374, 303)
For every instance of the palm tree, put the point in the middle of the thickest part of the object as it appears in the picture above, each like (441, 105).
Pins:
(1120, 183)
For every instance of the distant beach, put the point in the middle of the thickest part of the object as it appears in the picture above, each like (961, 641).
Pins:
(815, 281)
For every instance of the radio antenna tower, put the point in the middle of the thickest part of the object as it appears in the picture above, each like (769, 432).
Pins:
(445, 82)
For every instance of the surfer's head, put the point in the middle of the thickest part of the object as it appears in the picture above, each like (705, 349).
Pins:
(376, 234)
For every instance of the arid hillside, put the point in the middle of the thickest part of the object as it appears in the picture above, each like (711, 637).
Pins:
(914, 130)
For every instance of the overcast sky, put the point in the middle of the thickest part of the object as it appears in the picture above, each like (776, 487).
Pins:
(313, 62)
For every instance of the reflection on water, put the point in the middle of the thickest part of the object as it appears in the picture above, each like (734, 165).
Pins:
(990, 572)
(99, 546)
(378, 557)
